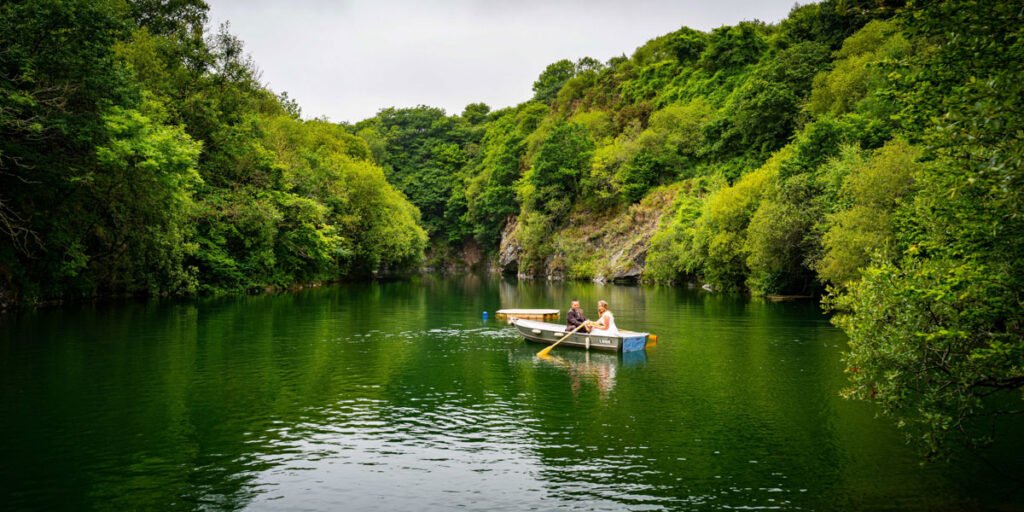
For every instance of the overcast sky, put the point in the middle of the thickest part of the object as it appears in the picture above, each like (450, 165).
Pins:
(347, 59)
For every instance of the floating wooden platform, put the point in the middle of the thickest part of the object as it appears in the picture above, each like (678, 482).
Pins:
(528, 314)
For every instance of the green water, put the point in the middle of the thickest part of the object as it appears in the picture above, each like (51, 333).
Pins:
(397, 396)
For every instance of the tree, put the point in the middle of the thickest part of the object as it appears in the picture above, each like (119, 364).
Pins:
(720, 233)
(549, 188)
(937, 333)
(423, 154)
(830, 22)
(552, 79)
(674, 253)
(58, 78)
(558, 74)
(687, 44)
(476, 113)
(139, 155)
(858, 69)
(874, 189)
(490, 191)
(142, 187)
(552, 183)
(735, 46)
(763, 112)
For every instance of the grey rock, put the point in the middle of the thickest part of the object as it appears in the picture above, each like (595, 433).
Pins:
(509, 250)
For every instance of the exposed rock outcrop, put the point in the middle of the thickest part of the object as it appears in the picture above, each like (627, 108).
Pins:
(610, 246)
(465, 257)
(629, 243)
(628, 263)
(509, 250)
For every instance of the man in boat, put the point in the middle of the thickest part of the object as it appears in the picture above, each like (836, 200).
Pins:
(575, 318)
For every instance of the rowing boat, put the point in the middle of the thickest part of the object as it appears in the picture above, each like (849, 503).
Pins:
(547, 333)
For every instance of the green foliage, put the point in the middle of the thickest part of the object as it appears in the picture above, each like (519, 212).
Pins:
(552, 79)
(858, 70)
(534, 234)
(574, 92)
(548, 189)
(785, 240)
(59, 78)
(763, 113)
(385, 227)
(936, 334)
(625, 168)
(553, 182)
(557, 74)
(597, 122)
(874, 188)
(637, 176)
(602, 188)
(491, 193)
(163, 166)
(687, 44)
(720, 232)
(328, 212)
(675, 138)
(674, 253)
(652, 52)
(142, 186)
(476, 113)
(423, 151)
(931, 340)
(235, 232)
(732, 47)
(649, 81)
(829, 22)
(773, 246)
(323, 161)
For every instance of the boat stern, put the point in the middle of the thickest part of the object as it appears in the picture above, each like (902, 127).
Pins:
(633, 343)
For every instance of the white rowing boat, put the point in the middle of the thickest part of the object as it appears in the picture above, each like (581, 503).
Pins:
(547, 333)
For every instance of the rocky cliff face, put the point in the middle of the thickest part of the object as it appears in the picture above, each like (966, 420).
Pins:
(463, 258)
(509, 250)
(604, 247)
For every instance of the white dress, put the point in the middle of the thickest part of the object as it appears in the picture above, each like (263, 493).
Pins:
(608, 320)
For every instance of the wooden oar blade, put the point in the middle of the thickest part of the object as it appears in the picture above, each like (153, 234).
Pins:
(544, 352)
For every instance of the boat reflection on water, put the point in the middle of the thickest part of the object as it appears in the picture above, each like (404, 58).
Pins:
(590, 367)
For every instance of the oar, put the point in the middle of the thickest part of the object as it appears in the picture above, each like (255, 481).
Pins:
(545, 350)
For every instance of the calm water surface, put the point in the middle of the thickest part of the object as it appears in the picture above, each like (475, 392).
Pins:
(398, 396)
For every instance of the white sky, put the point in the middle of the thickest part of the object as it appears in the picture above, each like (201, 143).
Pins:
(347, 59)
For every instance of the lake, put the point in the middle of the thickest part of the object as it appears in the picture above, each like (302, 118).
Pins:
(399, 396)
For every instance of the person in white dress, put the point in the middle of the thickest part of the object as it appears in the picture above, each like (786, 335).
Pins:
(605, 324)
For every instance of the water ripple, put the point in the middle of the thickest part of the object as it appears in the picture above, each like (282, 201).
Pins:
(395, 396)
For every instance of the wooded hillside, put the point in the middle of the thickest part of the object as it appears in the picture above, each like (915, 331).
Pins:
(867, 151)
(140, 154)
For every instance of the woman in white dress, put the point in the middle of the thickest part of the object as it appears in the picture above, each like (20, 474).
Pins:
(605, 324)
